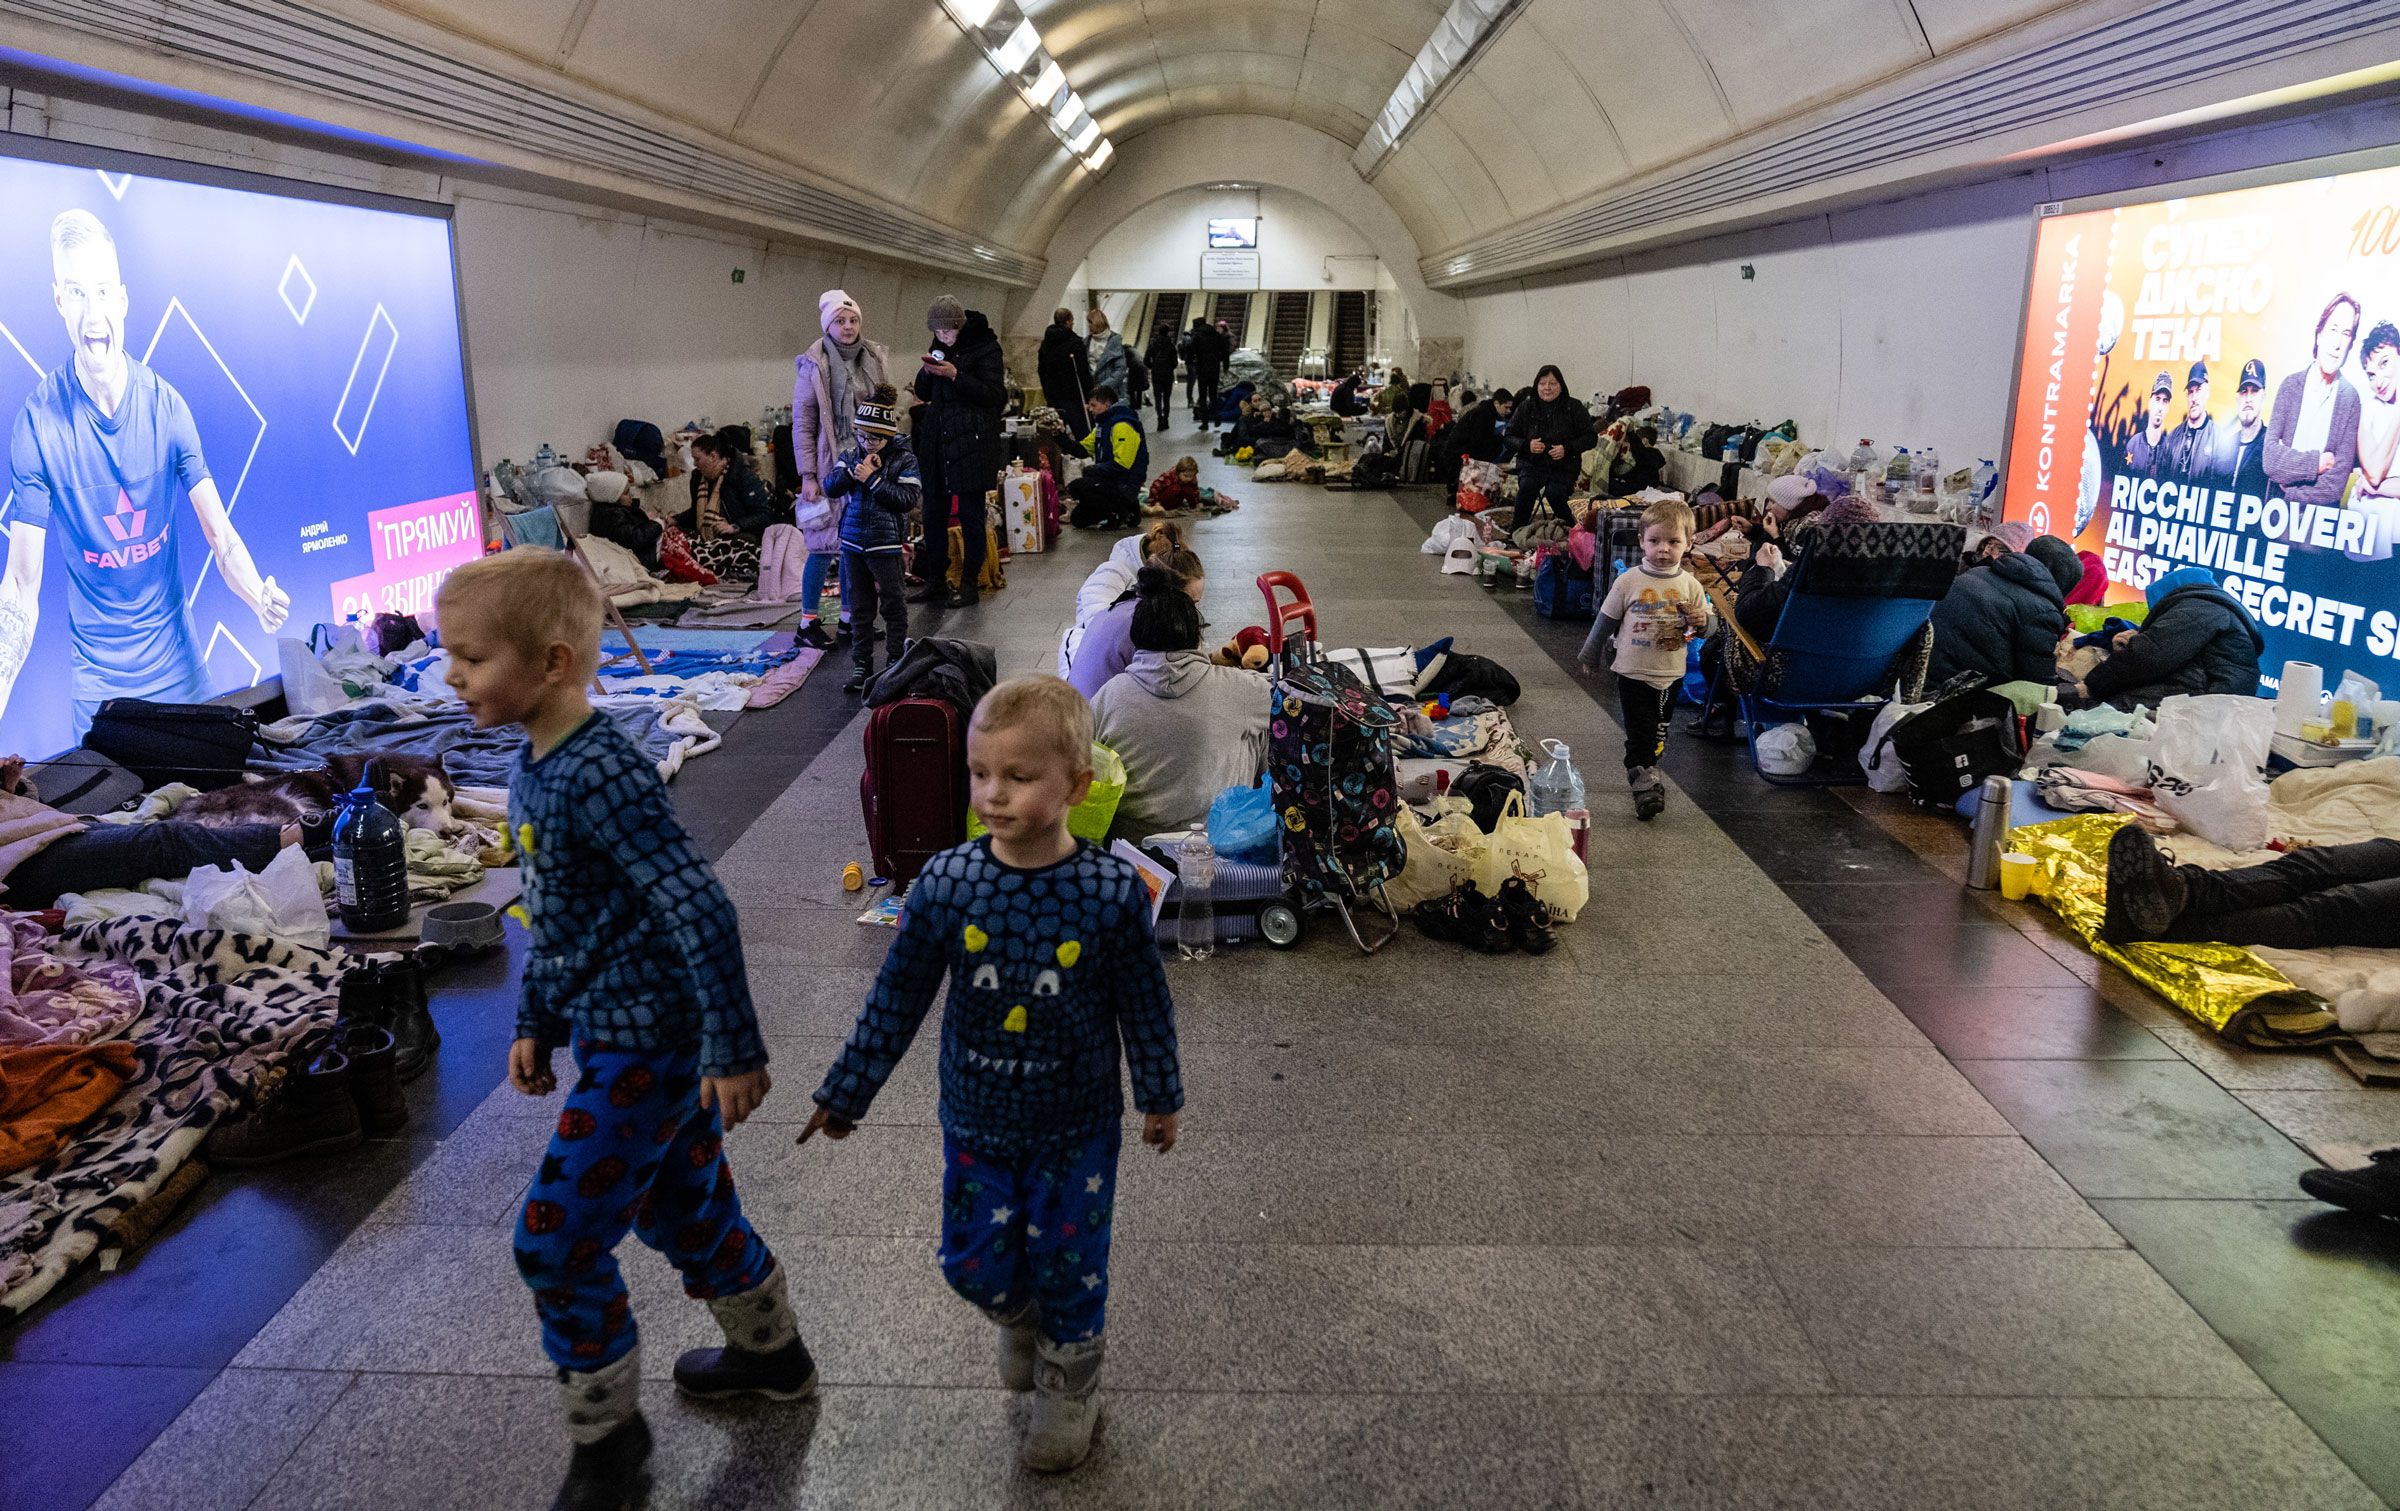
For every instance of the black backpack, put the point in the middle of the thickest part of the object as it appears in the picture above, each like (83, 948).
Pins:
(1946, 750)
(205, 744)
(1486, 787)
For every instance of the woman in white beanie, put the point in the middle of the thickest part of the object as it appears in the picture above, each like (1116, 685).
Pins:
(832, 377)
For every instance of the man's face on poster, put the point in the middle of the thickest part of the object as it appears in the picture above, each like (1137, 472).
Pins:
(2195, 408)
(2245, 408)
(2333, 342)
(2158, 410)
(2383, 372)
(91, 299)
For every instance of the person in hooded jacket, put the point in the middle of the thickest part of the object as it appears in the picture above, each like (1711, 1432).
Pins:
(1548, 434)
(1160, 358)
(1207, 357)
(1185, 727)
(1109, 494)
(958, 444)
(1064, 369)
(2004, 620)
(2197, 638)
(1107, 350)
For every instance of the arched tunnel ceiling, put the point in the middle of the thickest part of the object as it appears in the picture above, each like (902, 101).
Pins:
(1574, 117)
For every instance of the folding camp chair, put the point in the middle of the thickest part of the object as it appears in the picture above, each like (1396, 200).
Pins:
(1861, 594)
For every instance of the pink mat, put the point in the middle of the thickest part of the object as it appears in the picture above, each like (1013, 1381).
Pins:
(784, 680)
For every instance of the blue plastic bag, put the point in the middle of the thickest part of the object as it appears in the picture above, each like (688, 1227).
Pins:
(1241, 824)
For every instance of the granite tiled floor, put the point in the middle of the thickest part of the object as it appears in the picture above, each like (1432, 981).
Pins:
(1692, 1212)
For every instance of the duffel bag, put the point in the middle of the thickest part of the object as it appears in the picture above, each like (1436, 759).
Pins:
(204, 744)
(84, 782)
(1559, 591)
(1947, 749)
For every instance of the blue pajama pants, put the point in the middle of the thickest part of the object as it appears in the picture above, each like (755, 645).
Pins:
(633, 1151)
(1036, 1228)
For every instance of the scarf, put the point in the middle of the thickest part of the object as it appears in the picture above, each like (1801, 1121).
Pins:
(848, 376)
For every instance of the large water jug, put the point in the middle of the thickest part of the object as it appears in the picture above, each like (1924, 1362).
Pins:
(1557, 785)
(370, 861)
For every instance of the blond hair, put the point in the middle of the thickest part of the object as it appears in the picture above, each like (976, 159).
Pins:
(534, 598)
(1674, 513)
(1054, 709)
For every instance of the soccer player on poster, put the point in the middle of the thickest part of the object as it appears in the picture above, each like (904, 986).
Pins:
(98, 453)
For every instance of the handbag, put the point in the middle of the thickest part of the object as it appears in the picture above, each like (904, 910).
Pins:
(1541, 853)
(204, 744)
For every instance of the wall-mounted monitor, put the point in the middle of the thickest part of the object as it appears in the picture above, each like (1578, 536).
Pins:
(234, 412)
(1233, 233)
(2212, 381)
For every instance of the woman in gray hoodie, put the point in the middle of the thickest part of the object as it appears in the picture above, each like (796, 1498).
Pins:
(1185, 728)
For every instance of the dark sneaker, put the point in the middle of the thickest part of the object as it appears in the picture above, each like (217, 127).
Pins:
(303, 1107)
(814, 636)
(1528, 917)
(788, 1374)
(2145, 894)
(607, 1475)
(375, 1078)
(858, 681)
(414, 1037)
(2372, 1189)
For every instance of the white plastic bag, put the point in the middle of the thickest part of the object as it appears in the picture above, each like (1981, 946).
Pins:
(281, 902)
(2208, 766)
(1538, 851)
(308, 688)
(1877, 759)
(1786, 750)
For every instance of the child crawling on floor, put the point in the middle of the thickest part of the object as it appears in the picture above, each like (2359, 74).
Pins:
(637, 961)
(1048, 944)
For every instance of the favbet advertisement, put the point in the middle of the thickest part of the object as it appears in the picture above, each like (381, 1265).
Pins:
(2214, 382)
(231, 415)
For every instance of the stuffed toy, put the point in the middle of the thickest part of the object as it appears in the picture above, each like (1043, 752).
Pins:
(1247, 649)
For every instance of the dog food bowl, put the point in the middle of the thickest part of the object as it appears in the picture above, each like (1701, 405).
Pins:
(463, 926)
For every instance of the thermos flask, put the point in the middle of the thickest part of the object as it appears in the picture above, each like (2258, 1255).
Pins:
(1990, 838)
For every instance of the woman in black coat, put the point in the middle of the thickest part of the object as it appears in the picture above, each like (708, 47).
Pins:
(958, 443)
(1548, 434)
(2004, 620)
(1064, 368)
(2197, 639)
(1160, 358)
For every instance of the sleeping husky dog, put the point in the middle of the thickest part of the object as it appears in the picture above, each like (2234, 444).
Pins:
(412, 786)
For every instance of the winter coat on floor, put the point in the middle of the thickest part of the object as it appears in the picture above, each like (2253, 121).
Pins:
(1562, 421)
(875, 513)
(959, 442)
(1186, 729)
(2003, 620)
(817, 436)
(1064, 366)
(2197, 639)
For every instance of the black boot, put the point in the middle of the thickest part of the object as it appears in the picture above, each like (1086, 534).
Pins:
(1528, 917)
(763, 1354)
(375, 1078)
(965, 598)
(2372, 1189)
(304, 1106)
(410, 1016)
(607, 1475)
(2146, 894)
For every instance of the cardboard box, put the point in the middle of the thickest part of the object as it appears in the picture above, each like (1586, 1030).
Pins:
(1021, 503)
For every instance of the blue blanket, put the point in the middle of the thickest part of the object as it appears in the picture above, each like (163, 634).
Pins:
(473, 757)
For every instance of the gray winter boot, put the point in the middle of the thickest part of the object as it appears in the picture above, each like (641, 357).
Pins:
(1019, 1335)
(1066, 1404)
(763, 1354)
(1649, 792)
(612, 1442)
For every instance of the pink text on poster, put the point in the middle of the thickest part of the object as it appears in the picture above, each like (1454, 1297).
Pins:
(416, 546)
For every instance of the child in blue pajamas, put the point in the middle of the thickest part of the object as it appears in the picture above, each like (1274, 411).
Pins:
(1048, 944)
(637, 960)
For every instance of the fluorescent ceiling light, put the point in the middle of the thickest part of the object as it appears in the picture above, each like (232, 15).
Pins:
(1458, 41)
(1021, 45)
(1046, 88)
(1099, 154)
(972, 13)
(1084, 138)
(1066, 107)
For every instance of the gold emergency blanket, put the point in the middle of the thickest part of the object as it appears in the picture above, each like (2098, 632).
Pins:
(2224, 986)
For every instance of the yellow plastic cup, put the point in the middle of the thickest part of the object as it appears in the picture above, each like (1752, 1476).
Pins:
(852, 877)
(2017, 872)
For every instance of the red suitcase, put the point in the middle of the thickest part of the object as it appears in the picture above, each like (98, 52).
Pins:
(914, 789)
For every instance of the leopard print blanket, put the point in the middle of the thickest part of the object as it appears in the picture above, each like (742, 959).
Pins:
(217, 1010)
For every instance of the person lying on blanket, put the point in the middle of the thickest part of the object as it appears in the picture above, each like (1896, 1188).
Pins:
(45, 854)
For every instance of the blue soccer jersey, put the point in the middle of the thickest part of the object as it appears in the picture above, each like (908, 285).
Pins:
(108, 487)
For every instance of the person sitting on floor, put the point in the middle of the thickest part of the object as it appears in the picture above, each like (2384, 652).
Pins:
(1109, 494)
(2197, 639)
(731, 508)
(2004, 621)
(1113, 578)
(1178, 487)
(1185, 727)
(1107, 644)
(1641, 466)
(45, 854)
(1345, 401)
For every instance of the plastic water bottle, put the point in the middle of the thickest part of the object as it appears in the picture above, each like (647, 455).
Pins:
(1558, 788)
(370, 862)
(1196, 920)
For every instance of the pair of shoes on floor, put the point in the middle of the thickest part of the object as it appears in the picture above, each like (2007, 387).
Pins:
(2372, 1190)
(1649, 792)
(390, 993)
(321, 1099)
(1465, 917)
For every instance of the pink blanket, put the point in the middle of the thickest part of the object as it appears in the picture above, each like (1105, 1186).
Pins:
(47, 1001)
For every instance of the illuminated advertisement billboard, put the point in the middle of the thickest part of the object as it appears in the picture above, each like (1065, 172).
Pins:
(232, 414)
(2214, 381)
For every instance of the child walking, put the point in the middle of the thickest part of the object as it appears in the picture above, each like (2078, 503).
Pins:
(636, 958)
(1652, 611)
(1047, 943)
(875, 485)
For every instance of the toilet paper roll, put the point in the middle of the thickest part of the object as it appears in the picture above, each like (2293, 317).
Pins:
(2301, 697)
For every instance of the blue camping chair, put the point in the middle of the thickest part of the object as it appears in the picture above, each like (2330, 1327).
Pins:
(1862, 598)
